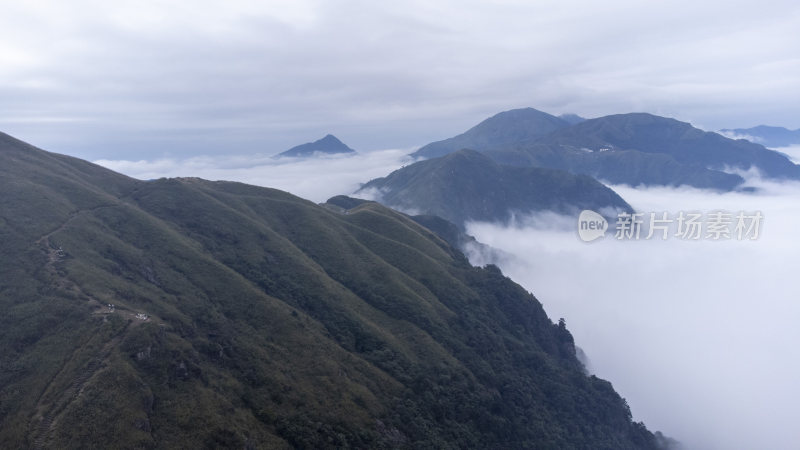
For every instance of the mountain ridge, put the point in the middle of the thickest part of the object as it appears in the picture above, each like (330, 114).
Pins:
(191, 313)
(502, 128)
(468, 185)
(634, 149)
(769, 136)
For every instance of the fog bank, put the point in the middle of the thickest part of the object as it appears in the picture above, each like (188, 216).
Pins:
(315, 178)
(700, 337)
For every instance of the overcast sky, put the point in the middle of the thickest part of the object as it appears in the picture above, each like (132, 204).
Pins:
(130, 80)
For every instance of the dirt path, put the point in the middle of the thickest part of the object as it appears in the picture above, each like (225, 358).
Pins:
(51, 405)
(72, 216)
(47, 415)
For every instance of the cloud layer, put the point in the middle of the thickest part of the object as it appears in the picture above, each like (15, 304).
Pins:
(151, 79)
(792, 152)
(316, 179)
(700, 337)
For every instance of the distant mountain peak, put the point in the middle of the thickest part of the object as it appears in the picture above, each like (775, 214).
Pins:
(521, 112)
(468, 185)
(506, 127)
(769, 136)
(634, 148)
(329, 144)
(655, 150)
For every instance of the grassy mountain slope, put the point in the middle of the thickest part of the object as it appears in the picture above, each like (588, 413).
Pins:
(467, 185)
(271, 322)
(444, 229)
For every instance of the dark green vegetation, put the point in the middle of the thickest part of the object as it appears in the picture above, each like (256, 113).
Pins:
(467, 185)
(448, 231)
(329, 145)
(769, 136)
(629, 149)
(272, 323)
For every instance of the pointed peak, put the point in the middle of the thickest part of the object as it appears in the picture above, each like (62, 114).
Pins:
(329, 144)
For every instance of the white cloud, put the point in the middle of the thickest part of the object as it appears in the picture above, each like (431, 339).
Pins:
(733, 135)
(793, 152)
(700, 337)
(315, 179)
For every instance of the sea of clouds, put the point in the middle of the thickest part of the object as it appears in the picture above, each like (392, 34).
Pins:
(316, 178)
(701, 337)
